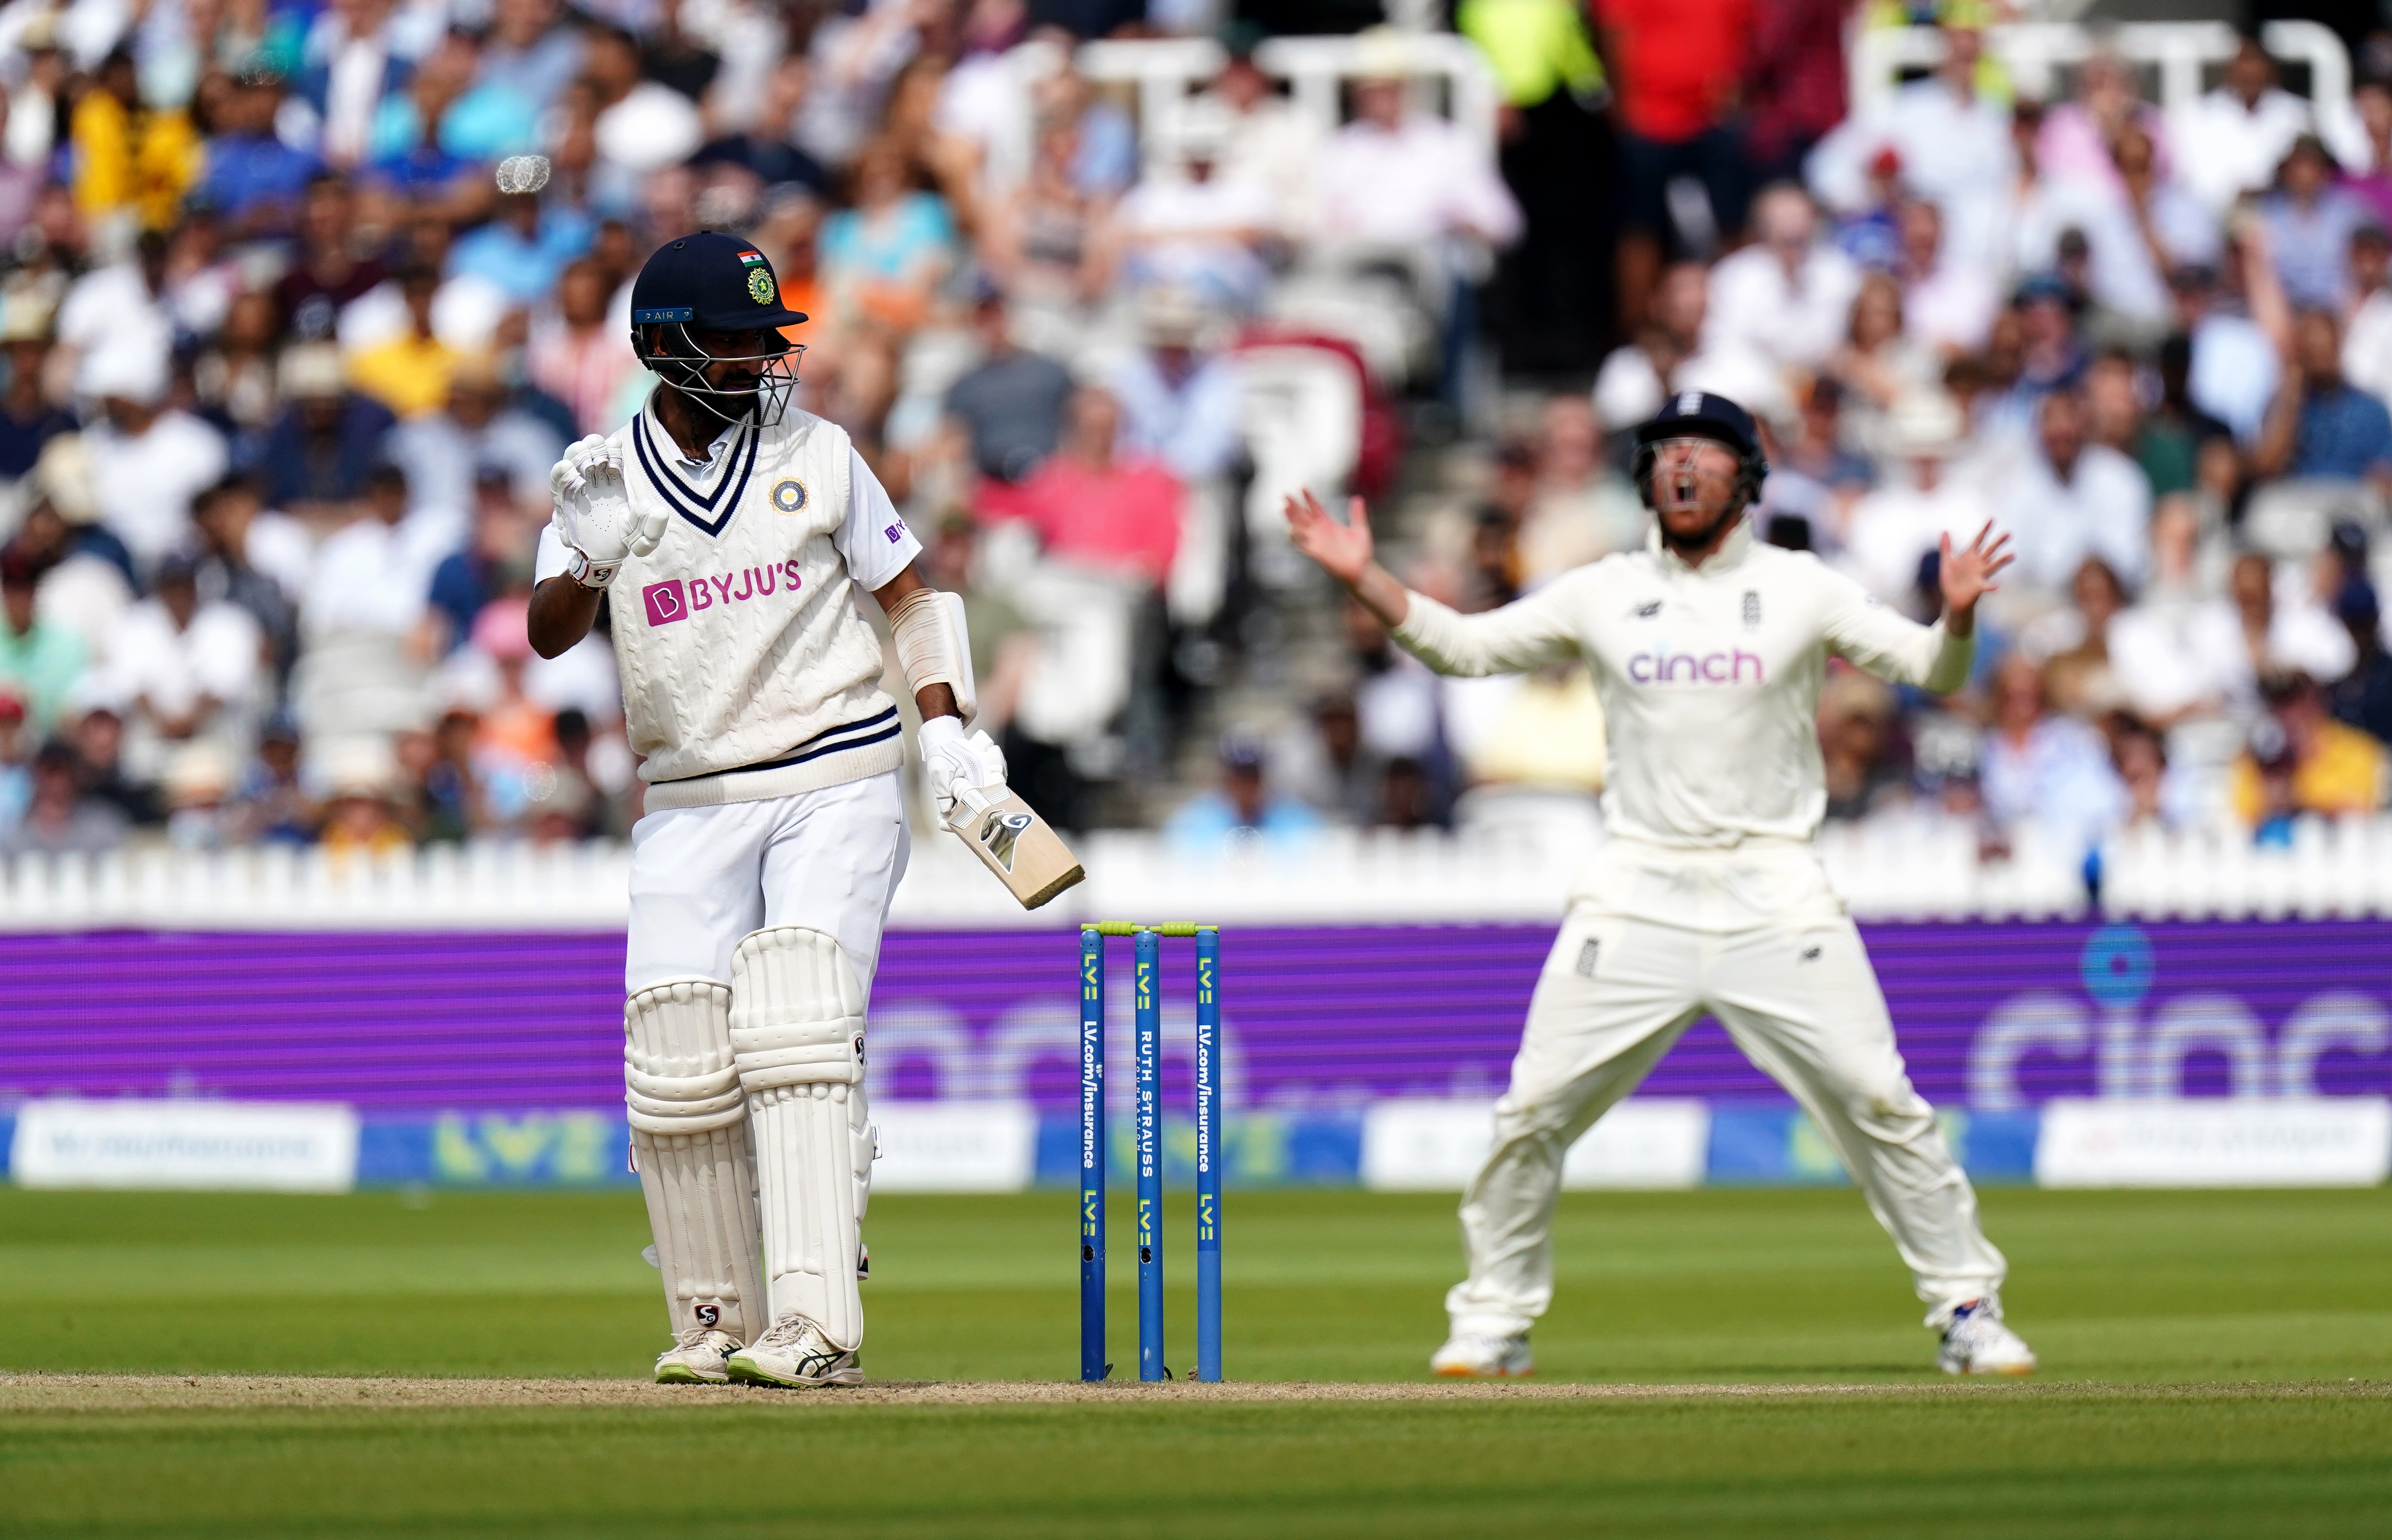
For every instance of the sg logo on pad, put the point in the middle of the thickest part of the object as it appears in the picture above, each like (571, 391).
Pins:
(667, 601)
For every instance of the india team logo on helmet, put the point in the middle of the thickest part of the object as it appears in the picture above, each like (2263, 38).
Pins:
(760, 284)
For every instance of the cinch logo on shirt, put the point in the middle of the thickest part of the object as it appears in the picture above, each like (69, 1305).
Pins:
(673, 600)
(1666, 667)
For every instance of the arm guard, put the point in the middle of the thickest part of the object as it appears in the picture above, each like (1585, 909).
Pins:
(934, 647)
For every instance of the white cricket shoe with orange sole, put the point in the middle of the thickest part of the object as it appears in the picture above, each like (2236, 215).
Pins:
(1476, 1355)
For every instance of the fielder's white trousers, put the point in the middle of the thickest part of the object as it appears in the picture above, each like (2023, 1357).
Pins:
(703, 877)
(1759, 941)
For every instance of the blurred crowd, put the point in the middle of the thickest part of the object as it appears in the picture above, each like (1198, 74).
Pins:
(299, 299)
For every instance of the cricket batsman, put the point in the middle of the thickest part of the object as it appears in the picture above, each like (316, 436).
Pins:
(1708, 649)
(733, 532)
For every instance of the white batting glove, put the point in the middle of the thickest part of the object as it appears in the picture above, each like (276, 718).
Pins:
(594, 518)
(967, 769)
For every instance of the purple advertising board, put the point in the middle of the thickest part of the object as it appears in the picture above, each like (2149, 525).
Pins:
(1989, 1015)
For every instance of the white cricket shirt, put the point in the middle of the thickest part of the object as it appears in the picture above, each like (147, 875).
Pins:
(1708, 676)
(746, 671)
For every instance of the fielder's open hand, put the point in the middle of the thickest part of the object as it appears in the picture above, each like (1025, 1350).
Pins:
(1968, 576)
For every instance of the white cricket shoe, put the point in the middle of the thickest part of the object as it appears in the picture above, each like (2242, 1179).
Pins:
(1478, 1355)
(695, 1357)
(1975, 1342)
(796, 1353)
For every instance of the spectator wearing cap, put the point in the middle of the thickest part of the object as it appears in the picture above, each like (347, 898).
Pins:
(326, 440)
(361, 784)
(1180, 400)
(182, 670)
(2070, 498)
(2362, 697)
(28, 421)
(2333, 769)
(2321, 426)
(1893, 528)
(148, 460)
(1264, 140)
(2230, 141)
(1788, 295)
(60, 818)
(1242, 810)
(253, 179)
(1010, 404)
(1401, 180)
(41, 662)
(2310, 223)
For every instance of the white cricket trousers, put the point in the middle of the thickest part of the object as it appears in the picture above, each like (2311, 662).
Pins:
(703, 877)
(1795, 991)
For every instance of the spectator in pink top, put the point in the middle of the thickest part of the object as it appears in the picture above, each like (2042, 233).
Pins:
(1090, 506)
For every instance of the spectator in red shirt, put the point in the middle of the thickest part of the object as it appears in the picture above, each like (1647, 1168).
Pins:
(1797, 89)
(1090, 506)
(1678, 66)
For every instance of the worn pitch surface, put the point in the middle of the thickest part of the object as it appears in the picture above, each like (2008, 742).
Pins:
(1716, 1362)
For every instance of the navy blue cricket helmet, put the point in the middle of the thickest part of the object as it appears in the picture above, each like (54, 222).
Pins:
(711, 281)
(1700, 414)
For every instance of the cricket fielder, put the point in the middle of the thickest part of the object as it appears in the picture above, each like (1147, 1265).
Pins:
(734, 533)
(1708, 649)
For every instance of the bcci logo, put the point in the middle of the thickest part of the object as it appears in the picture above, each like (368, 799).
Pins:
(759, 285)
(999, 832)
(788, 496)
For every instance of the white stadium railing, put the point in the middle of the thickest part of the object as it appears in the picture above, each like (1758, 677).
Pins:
(2179, 52)
(1887, 870)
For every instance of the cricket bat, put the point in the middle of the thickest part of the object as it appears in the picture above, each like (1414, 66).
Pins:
(1028, 857)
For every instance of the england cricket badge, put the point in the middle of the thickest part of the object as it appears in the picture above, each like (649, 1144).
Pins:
(788, 496)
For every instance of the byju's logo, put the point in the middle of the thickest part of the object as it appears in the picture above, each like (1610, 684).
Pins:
(1663, 666)
(667, 601)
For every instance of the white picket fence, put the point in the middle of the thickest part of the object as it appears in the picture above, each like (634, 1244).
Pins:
(1887, 871)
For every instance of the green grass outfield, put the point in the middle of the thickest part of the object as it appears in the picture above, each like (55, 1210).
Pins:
(2215, 1364)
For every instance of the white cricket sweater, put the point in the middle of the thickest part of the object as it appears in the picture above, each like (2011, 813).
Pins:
(1709, 677)
(746, 671)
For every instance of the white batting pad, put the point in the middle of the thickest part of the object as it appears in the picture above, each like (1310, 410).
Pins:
(797, 1027)
(698, 1168)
